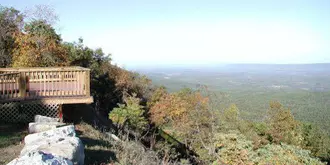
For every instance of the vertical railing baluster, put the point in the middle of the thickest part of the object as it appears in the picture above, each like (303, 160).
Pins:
(39, 82)
(66, 83)
(34, 77)
(75, 83)
(62, 83)
(11, 86)
(52, 83)
(2, 87)
(6, 87)
(83, 84)
(27, 84)
(78, 81)
(44, 82)
(47, 83)
(57, 87)
(71, 84)
(17, 85)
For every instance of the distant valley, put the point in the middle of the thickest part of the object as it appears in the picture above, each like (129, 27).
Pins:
(304, 88)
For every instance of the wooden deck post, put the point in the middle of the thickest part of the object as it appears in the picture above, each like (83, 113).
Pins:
(22, 84)
(60, 112)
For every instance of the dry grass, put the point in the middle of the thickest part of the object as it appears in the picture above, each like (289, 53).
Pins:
(101, 149)
(97, 147)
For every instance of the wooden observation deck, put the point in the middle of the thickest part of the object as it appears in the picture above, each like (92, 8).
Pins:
(55, 85)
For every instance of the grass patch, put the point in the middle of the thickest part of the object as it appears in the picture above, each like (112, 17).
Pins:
(97, 145)
(11, 134)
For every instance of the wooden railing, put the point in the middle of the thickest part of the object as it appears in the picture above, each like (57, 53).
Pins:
(29, 83)
(9, 86)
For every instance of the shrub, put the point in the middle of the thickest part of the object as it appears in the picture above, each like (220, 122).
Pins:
(283, 154)
(131, 114)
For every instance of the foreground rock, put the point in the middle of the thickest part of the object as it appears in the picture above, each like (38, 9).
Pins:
(43, 119)
(70, 148)
(43, 126)
(51, 142)
(60, 142)
(65, 131)
(40, 158)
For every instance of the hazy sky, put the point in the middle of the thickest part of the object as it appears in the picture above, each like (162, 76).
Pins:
(197, 32)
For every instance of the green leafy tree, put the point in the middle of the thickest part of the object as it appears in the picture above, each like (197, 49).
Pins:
(230, 118)
(283, 126)
(130, 114)
(316, 141)
(11, 21)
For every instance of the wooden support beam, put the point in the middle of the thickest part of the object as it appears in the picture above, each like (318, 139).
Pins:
(88, 91)
(22, 85)
(60, 112)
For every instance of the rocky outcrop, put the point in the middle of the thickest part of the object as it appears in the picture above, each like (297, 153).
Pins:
(65, 131)
(45, 119)
(41, 127)
(40, 158)
(55, 143)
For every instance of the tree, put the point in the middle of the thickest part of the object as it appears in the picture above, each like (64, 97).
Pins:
(11, 21)
(80, 55)
(43, 13)
(38, 45)
(130, 114)
(231, 113)
(316, 141)
(283, 126)
(157, 95)
(185, 116)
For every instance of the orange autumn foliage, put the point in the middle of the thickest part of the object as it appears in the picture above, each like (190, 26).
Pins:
(177, 108)
(38, 45)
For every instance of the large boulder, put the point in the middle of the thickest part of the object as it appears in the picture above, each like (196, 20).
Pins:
(43, 119)
(40, 158)
(65, 131)
(70, 148)
(44, 126)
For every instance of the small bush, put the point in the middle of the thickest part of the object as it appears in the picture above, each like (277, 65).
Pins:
(130, 114)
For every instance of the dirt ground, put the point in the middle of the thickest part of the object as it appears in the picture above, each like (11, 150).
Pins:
(9, 153)
(11, 141)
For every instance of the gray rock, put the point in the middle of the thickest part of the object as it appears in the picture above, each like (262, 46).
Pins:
(40, 127)
(65, 131)
(70, 148)
(40, 158)
(42, 119)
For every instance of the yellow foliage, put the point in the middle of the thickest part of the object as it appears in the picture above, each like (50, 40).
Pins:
(33, 51)
(175, 108)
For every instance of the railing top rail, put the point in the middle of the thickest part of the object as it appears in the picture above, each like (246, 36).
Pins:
(33, 69)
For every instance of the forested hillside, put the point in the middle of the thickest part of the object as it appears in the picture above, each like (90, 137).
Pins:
(304, 88)
(190, 126)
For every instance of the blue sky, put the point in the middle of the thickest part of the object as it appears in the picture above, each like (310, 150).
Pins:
(167, 32)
